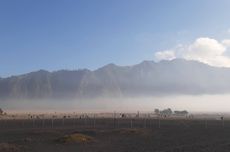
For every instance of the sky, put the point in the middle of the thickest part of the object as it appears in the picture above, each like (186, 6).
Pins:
(77, 34)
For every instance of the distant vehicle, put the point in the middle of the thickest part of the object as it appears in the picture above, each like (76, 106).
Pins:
(181, 113)
(163, 113)
(166, 112)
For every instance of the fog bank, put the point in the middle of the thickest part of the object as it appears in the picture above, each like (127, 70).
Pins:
(192, 103)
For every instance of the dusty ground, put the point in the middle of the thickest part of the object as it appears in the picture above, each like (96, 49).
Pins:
(108, 136)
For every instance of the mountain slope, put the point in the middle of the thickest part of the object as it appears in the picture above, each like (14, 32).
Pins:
(145, 79)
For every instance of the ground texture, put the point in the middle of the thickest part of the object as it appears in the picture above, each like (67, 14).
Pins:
(170, 136)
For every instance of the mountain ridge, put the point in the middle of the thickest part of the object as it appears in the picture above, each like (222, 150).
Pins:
(147, 78)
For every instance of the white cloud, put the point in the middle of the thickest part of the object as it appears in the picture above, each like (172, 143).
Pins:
(204, 49)
(226, 43)
(165, 55)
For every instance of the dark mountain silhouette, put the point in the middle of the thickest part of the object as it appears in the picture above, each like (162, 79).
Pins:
(145, 79)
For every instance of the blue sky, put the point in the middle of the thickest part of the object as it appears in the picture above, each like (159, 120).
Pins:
(75, 34)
